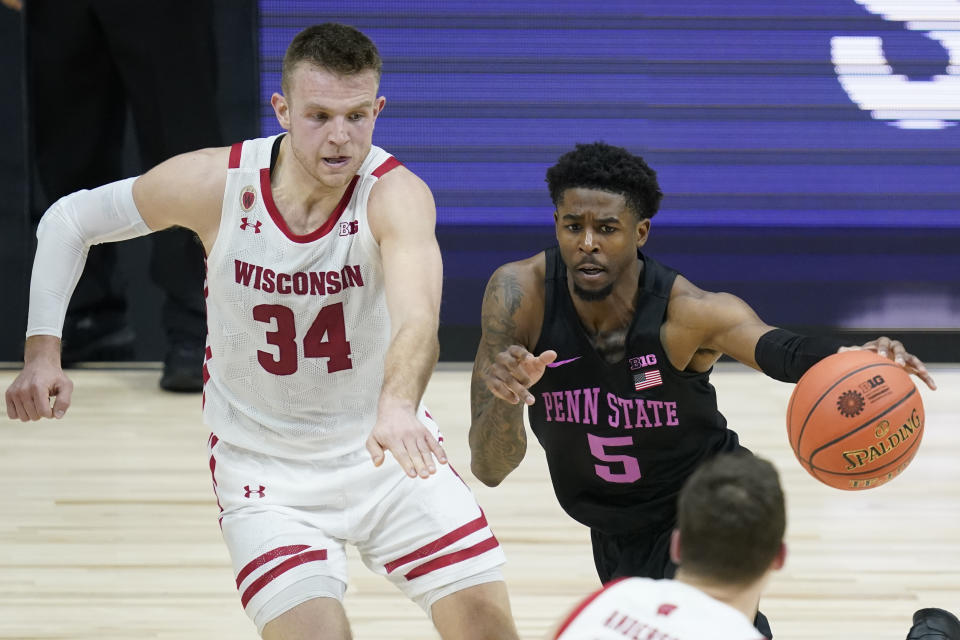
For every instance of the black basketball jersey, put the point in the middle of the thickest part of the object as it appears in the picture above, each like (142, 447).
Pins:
(621, 438)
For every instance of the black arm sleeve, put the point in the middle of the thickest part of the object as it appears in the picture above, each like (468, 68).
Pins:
(784, 355)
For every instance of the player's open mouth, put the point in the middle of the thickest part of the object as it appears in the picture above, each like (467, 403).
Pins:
(338, 161)
(590, 270)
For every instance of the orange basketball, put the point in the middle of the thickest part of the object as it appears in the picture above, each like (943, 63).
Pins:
(855, 420)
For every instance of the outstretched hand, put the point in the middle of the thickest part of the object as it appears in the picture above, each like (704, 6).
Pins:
(515, 370)
(894, 350)
(409, 440)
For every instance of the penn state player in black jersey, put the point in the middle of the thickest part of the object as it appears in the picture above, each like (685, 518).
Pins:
(618, 391)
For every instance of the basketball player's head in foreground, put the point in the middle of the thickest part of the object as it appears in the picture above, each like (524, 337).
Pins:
(329, 104)
(730, 525)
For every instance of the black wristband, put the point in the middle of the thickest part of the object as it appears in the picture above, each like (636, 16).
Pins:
(784, 355)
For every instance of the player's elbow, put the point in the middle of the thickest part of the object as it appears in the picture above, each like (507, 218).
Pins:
(488, 476)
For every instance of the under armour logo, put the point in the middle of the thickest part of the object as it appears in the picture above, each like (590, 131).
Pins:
(256, 225)
(349, 228)
(666, 609)
(248, 492)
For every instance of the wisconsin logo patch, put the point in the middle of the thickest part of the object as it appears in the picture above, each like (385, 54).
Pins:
(248, 198)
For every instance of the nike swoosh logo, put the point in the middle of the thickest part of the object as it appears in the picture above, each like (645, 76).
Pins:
(562, 362)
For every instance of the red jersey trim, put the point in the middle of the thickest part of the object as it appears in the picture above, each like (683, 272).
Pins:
(295, 561)
(583, 605)
(263, 559)
(438, 544)
(388, 165)
(453, 558)
(278, 220)
(235, 151)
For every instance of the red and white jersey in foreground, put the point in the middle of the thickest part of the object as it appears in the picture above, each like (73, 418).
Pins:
(645, 609)
(298, 326)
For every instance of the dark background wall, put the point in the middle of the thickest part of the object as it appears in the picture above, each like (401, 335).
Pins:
(236, 35)
(14, 237)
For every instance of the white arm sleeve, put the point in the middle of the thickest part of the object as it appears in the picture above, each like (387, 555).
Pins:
(66, 232)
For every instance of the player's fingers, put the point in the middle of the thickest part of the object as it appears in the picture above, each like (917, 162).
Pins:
(519, 390)
(897, 352)
(64, 394)
(22, 413)
(375, 451)
(27, 400)
(883, 346)
(425, 458)
(499, 388)
(517, 352)
(547, 357)
(512, 359)
(24, 397)
(11, 407)
(512, 365)
(402, 456)
(41, 400)
(436, 448)
(915, 366)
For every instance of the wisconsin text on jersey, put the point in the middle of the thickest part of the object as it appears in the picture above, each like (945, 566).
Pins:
(634, 629)
(580, 406)
(311, 283)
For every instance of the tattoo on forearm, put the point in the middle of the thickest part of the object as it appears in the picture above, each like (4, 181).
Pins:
(498, 441)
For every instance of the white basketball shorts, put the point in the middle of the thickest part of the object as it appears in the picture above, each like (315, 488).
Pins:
(286, 524)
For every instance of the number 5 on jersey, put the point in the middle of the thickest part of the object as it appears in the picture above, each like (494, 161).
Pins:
(326, 338)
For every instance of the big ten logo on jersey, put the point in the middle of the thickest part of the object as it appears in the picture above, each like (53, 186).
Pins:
(349, 228)
(640, 362)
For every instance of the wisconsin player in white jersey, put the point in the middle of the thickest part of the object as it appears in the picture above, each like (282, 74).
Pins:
(323, 292)
(729, 540)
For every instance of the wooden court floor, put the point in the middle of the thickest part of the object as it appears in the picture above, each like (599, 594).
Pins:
(108, 525)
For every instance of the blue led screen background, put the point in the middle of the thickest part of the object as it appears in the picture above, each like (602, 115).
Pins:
(821, 116)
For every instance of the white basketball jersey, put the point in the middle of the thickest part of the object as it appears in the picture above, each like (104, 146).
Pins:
(661, 609)
(297, 324)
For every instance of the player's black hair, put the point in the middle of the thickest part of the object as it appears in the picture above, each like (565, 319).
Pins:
(336, 47)
(602, 166)
(732, 517)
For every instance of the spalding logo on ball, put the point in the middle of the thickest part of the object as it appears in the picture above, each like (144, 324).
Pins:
(855, 420)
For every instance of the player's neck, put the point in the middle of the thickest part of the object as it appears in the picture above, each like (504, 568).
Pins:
(743, 598)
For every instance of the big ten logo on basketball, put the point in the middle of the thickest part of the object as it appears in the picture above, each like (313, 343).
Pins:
(875, 388)
(885, 441)
(640, 362)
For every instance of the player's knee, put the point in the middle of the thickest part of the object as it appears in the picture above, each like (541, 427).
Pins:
(469, 610)
(309, 608)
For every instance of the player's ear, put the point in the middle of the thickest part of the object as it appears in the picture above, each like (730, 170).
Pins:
(379, 105)
(643, 231)
(282, 109)
(781, 557)
(675, 547)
